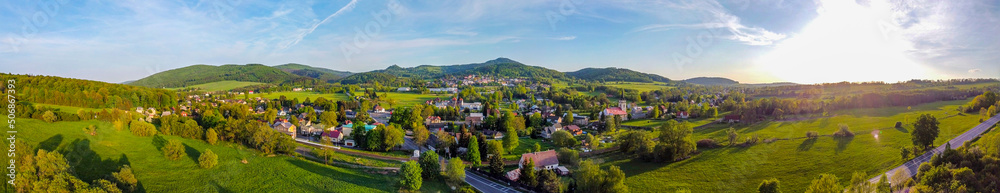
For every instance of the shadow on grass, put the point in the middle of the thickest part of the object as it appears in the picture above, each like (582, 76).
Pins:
(902, 129)
(88, 165)
(192, 153)
(159, 142)
(51, 143)
(842, 142)
(807, 144)
(219, 188)
(326, 172)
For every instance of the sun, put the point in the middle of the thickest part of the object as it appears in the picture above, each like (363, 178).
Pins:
(846, 42)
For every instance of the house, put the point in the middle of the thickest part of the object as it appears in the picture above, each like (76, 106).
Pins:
(379, 109)
(346, 131)
(554, 119)
(573, 129)
(333, 136)
(473, 106)
(731, 119)
(546, 160)
(285, 127)
(581, 120)
(562, 170)
(349, 143)
(548, 131)
(683, 115)
(139, 110)
(432, 119)
(615, 111)
(513, 175)
(474, 119)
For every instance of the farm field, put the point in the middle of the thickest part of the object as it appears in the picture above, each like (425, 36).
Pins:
(67, 109)
(94, 157)
(409, 99)
(221, 85)
(795, 161)
(302, 95)
(641, 86)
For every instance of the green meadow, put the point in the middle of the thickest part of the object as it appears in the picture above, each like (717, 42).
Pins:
(67, 109)
(301, 95)
(221, 85)
(793, 159)
(96, 157)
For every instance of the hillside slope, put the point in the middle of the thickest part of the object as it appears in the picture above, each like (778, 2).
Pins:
(323, 74)
(503, 67)
(711, 81)
(200, 74)
(616, 74)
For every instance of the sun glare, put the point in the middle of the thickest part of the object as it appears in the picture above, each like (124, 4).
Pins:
(846, 42)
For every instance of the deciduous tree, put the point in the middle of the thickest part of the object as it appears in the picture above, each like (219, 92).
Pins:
(208, 159)
(410, 172)
(925, 130)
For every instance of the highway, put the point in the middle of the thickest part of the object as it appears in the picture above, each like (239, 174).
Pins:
(910, 167)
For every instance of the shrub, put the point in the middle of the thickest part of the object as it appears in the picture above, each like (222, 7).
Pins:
(812, 134)
(174, 150)
(752, 140)
(142, 129)
(844, 131)
(49, 116)
(899, 124)
(707, 143)
(208, 159)
(211, 137)
(411, 179)
(125, 178)
(568, 156)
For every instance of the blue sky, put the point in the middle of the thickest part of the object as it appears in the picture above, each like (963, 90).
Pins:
(749, 41)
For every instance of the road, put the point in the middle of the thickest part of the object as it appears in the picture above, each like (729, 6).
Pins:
(910, 167)
(486, 186)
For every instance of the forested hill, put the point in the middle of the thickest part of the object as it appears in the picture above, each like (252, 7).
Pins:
(200, 74)
(322, 74)
(616, 74)
(86, 93)
(711, 81)
(503, 67)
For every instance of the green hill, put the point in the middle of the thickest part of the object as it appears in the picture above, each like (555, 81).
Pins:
(369, 77)
(323, 74)
(222, 85)
(711, 81)
(502, 67)
(200, 74)
(616, 74)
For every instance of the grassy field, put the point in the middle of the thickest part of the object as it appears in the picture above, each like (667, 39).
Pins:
(302, 95)
(797, 161)
(68, 109)
(95, 157)
(641, 86)
(527, 145)
(221, 85)
(657, 122)
(410, 99)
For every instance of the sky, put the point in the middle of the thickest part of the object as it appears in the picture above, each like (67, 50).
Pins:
(751, 41)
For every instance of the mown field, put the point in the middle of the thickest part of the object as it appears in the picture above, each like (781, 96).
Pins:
(641, 86)
(95, 157)
(67, 109)
(302, 95)
(795, 161)
(409, 99)
(221, 85)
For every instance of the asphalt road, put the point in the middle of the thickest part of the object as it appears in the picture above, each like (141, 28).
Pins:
(486, 186)
(911, 166)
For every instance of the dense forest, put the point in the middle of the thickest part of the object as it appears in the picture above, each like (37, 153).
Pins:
(322, 74)
(86, 93)
(615, 74)
(711, 81)
(200, 74)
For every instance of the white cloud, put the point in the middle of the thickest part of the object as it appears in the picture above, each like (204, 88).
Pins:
(973, 71)
(461, 32)
(565, 38)
(717, 16)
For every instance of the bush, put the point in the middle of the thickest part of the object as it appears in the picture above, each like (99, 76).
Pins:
(707, 143)
(812, 134)
(844, 131)
(126, 179)
(208, 159)
(49, 116)
(568, 156)
(752, 140)
(142, 128)
(411, 179)
(174, 150)
(899, 124)
(211, 137)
